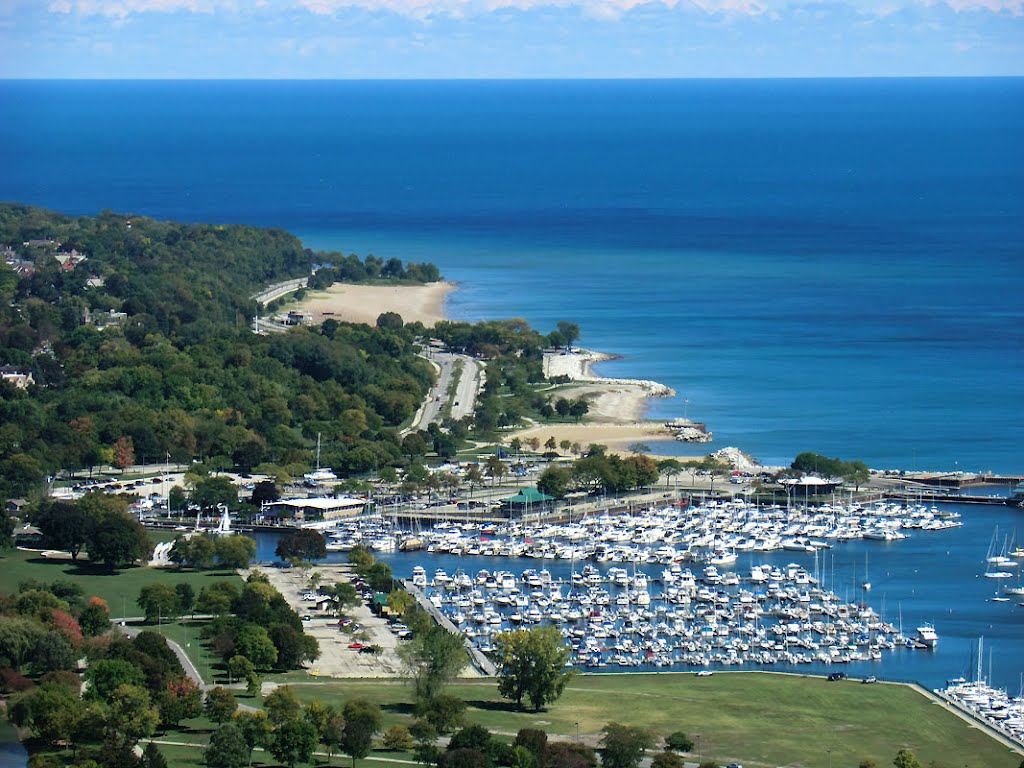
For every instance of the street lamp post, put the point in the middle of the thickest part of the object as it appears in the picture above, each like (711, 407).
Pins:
(577, 731)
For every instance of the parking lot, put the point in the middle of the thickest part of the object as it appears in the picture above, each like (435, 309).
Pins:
(337, 659)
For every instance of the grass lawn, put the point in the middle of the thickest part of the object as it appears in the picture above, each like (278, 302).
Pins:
(119, 588)
(760, 720)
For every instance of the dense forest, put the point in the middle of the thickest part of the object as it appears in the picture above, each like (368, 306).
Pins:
(137, 336)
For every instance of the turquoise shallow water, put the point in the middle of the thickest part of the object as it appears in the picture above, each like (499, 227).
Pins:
(831, 266)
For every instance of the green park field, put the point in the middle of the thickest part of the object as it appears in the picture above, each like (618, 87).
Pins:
(757, 719)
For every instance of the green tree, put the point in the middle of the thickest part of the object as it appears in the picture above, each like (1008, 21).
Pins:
(302, 544)
(666, 759)
(400, 601)
(554, 481)
(463, 758)
(623, 746)
(294, 648)
(906, 759)
(118, 540)
(362, 720)
(152, 757)
(18, 637)
(193, 551)
(6, 531)
(495, 468)
(669, 468)
(52, 652)
(333, 733)
(445, 712)
(570, 333)
(432, 658)
(158, 602)
(531, 665)
(256, 728)
(65, 526)
(425, 736)
(180, 699)
(293, 741)
(51, 712)
(131, 715)
(235, 552)
(255, 644)
(220, 704)
(679, 742)
(209, 492)
(228, 748)
(856, 473)
(282, 705)
(397, 739)
(186, 596)
(534, 740)
(217, 598)
(95, 618)
(104, 676)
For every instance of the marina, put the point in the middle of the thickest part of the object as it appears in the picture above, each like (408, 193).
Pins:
(724, 585)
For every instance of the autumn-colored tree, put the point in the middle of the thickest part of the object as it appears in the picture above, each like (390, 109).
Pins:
(124, 453)
(65, 622)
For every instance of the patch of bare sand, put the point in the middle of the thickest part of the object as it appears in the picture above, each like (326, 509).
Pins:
(618, 437)
(364, 303)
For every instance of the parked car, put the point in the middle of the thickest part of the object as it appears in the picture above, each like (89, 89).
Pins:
(705, 673)
(837, 676)
(871, 679)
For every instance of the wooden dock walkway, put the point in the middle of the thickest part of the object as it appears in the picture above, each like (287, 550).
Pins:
(483, 665)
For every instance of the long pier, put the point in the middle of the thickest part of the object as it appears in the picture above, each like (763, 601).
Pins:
(483, 665)
(952, 498)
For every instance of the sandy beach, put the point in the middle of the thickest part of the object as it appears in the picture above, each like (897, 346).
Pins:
(617, 406)
(364, 303)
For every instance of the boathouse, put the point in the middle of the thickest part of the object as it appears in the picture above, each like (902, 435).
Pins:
(526, 501)
(315, 509)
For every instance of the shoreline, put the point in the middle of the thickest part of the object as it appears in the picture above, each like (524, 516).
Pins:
(617, 406)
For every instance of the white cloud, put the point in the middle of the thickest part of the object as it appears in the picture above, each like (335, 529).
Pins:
(1015, 7)
(606, 9)
(425, 9)
(122, 8)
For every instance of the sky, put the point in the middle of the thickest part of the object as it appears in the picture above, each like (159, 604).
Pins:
(369, 39)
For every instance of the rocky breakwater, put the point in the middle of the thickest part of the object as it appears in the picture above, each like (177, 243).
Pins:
(688, 431)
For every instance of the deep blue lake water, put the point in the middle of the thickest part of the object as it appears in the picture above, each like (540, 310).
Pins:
(816, 265)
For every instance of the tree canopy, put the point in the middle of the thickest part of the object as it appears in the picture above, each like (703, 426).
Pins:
(140, 347)
(531, 665)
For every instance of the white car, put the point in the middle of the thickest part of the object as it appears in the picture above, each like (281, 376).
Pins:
(705, 673)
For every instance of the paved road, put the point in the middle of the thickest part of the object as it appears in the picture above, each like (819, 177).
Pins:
(186, 663)
(464, 400)
(267, 295)
(277, 290)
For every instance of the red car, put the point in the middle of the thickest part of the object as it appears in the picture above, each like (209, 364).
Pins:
(355, 646)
